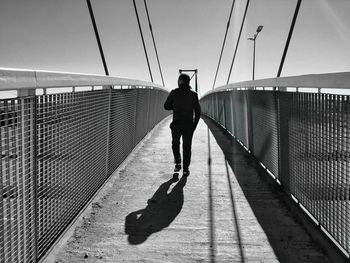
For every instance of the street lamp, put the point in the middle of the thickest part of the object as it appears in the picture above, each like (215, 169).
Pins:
(253, 39)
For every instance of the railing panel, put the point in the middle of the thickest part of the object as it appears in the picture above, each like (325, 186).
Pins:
(152, 109)
(216, 107)
(240, 111)
(264, 128)
(122, 126)
(17, 193)
(319, 153)
(72, 134)
(233, 114)
(134, 112)
(220, 100)
(142, 116)
(157, 111)
(228, 111)
(159, 107)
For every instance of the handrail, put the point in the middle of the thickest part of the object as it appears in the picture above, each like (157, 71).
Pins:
(339, 80)
(14, 79)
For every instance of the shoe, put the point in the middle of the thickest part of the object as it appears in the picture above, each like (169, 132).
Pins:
(177, 167)
(186, 173)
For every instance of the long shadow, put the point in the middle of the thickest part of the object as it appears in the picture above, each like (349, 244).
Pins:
(235, 215)
(286, 236)
(212, 247)
(161, 210)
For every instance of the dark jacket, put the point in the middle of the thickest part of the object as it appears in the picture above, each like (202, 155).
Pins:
(185, 105)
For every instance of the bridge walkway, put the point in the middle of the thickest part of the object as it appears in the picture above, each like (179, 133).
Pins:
(225, 211)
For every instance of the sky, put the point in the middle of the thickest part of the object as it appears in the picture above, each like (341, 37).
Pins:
(57, 35)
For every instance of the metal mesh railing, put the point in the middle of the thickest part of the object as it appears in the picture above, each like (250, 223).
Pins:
(122, 126)
(71, 157)
(17, 191)
(133, 113)
(262, 119)
(319, 155)
(57, 150)
(303, 139)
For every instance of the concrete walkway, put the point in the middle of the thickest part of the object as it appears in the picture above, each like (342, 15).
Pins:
(215, 215)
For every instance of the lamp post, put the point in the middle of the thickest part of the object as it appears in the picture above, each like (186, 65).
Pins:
(253, 39)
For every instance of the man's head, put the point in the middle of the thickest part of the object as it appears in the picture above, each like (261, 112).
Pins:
(184, 81)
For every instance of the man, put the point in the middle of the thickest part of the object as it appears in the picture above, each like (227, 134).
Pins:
(186, 113)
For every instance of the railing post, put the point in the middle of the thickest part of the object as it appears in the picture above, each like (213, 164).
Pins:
(232, 113)
(283, 117)
(250, 144)
(224, 111)
(35, 176)
(234, 119)
(217, 108)
(134, 134)
(283, 100)
(30, 93)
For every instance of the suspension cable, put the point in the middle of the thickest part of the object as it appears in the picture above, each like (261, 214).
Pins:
(143, 41)
(223, 44)
(97, 37)
(154, 43)
(289, 37)
(239, 37)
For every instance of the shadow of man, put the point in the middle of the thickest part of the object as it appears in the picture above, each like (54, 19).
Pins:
(161, 210)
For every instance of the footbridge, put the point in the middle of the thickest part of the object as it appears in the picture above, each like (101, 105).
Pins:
(86, 172)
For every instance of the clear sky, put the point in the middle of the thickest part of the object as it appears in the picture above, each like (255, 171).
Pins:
(58, 35)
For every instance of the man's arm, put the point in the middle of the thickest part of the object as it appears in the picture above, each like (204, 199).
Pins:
(197, 112)
(169, 103)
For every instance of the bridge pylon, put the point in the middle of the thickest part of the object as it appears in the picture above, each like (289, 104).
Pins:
(195, 74)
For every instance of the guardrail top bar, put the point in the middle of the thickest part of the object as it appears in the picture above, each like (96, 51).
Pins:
(339, 80)
(14, 79)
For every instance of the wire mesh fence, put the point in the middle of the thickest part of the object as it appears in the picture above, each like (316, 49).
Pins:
(57, 150)
(17, 191)
(303, 140)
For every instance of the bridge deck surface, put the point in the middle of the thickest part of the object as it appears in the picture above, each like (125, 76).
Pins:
(223, 212)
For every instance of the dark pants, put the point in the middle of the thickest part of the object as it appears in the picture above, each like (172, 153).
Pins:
(186, 131)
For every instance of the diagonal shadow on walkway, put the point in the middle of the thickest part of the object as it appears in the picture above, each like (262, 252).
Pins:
(212, 246)
(286, 236)
(235, 216)
(161, 210)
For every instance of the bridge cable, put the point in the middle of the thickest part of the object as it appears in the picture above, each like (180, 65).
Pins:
(154, 43)
(289, 37)
(143, 41)
(97, 36)
(223, 44)
(239, 37)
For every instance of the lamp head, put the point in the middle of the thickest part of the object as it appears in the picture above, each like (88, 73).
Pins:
(259, 28)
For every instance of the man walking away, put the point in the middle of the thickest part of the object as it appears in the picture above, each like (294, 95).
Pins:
(186, 113)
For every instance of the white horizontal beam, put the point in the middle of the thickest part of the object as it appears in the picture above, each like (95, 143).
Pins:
(14, 79)
(339, 80)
